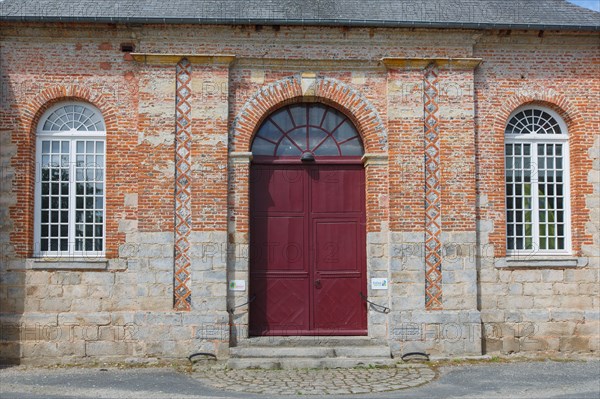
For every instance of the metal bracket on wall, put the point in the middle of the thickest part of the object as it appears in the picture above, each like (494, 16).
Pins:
(232, 310)
(376, 307)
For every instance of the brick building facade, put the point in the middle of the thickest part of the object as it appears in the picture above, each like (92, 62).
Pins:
(128, 141)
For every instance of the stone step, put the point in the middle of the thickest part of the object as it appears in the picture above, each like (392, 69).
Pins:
(270, 352)
(311, 352)
(363, 351)
(307, 363)
(320, 341)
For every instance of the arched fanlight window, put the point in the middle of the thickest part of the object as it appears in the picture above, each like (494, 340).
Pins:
(70, 181)
(307, 128)
(536, 152)
(73, 117)
(534, 121)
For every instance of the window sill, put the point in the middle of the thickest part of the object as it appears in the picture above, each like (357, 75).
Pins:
(545, 261)
(66, 264)
(74, 264)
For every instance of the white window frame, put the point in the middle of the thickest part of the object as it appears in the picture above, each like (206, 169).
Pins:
(534, 140)
(72, 136)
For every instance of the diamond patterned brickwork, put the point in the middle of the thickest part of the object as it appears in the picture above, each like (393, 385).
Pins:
(183, 198)
(433, 216)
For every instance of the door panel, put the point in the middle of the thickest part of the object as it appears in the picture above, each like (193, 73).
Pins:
(281, 306)
(278, 189)
(278, 244)
(338, 308)
(307, 262)
(337, 189)
(336, 246)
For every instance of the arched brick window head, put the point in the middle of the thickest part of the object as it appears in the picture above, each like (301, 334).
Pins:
(70, 197)
(537, 183)
(307, 128)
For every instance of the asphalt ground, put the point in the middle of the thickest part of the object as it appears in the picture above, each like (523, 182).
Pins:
(489, 380)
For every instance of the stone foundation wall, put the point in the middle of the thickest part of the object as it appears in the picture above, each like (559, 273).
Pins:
(121, 311)
(547, 305)
(453, 331)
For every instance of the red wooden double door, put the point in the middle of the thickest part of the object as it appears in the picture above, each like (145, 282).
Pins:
(307, 257)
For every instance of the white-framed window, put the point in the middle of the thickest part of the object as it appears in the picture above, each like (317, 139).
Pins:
(536, 150)
(70, 182)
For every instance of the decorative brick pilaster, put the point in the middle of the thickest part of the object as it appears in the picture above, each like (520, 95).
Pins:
(183, 198)
(433, 216)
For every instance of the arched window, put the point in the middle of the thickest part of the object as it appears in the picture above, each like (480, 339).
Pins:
(308, 127)
(70, 196)
(537, 182)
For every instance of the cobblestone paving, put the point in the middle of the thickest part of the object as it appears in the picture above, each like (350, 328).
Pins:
(317, 382)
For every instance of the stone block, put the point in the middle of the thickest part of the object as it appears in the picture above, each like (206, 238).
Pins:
(592, 314)
(488, 276)
(98, 319)
(160, 348)
(552, 275)
(108, 348)
(165, 278)
(195, 319)
(574, 344)
(536, 315)
(65, 278)
(520, 302)
(510, 345)
(545, 302)
(377, 264)
(589, 289)
(161, 265)
(55, 305)
(98, 278)
(40, 349)
(404, 277)
(37, 277)
(10, 352)
(556, 329)
(157, 238)
(515, 289)
(492, 345)
(156, 318)
(533, 344)
(492, 316)
(527, 276)
(376, 250)
(581, 276)
(209, 304)
(566, 315)
(538, 289)
(575, 302)
(513, 317)
(377, 238)
(588, 328)
(212, 277)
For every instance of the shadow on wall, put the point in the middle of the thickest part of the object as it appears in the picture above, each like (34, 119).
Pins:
(12, 283)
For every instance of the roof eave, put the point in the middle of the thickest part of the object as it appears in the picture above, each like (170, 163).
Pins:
(302, 22)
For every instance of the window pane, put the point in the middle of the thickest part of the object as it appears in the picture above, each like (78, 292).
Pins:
(55, 221)
(518, 196)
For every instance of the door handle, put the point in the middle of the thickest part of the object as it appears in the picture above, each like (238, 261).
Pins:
(317, 283)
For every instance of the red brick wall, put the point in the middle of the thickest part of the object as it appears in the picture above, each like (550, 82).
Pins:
(41, 67)
(562, 76)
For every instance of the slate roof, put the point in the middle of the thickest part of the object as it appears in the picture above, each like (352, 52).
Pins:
(477, 14)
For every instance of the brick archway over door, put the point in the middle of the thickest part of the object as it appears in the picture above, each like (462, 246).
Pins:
(329, 91)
